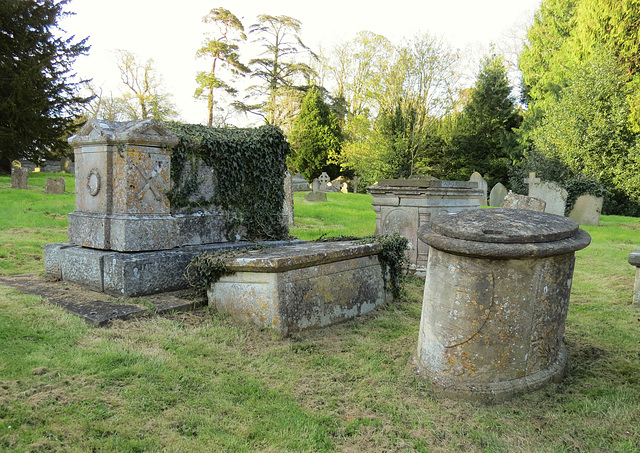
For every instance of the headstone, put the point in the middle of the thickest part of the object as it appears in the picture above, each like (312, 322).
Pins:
(496, 198)
(316, 196)
(482, 185)
(299, 183)
(531, 181)
(55, 186)
(634, 260)
(324, 180)
(554, 195)
(315, 185)
(587, 210)
(354, 182)
(344, 188)
(65, 165)
(287, 206)
(516, 201)
(19, 177)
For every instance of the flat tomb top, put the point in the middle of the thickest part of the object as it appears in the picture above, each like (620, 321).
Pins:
(308, 254)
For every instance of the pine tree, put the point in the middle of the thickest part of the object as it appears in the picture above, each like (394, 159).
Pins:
(39, 101)
(314, 136)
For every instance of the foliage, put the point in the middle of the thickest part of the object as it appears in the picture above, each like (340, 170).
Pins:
(315, 136)
(484, 139)
(146, 98)
(283, 77)
(39, 98)
(207, 268)
(249, 167)
(224, 51)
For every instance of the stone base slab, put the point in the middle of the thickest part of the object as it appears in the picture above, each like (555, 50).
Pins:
(301, 287)
(135, 233)
(127, 274)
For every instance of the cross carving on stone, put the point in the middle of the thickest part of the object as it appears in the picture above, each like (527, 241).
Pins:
(149, 182)
(531, 180)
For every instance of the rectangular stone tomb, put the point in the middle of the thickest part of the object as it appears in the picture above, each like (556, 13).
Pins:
(303, 286)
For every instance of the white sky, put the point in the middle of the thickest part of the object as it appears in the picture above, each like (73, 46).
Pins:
(170, 32)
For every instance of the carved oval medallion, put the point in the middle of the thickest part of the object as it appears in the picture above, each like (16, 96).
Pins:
(93, 182)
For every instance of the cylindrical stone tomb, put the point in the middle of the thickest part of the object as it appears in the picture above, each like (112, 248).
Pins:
(496, 299)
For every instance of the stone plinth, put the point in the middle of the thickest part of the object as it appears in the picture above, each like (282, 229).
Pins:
(495, 301)
(403, 206)
(301, 287)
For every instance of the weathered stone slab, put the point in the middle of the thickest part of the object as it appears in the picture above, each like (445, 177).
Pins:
(496, 198)
(516, 201)
(315, 196)
(554, 196)
(301, 287)
(55, 186)
(587, 210)
(288, 216)
(300, 184)
(127, 274)
(19, 177)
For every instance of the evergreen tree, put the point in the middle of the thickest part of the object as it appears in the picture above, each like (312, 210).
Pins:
(484, 139)
(315, 136)
(39, 101)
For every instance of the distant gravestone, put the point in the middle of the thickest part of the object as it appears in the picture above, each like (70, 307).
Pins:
(496, 198)
(299, 183)
(324, 181)
(587, 210)
(531, 181)
(55, 186)
(516, 201)
(287, 206)
(482, 185)
(316, 196)
(553, 194)
(19, 177)
(315, 185)
(344, 188)
(65, 165)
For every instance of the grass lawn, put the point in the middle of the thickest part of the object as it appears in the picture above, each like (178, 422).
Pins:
(202, 382)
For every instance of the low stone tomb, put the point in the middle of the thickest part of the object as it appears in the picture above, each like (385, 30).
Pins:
(587, 209)
(404, 205)
(305, 286)
(496, 297)
(55, 186)
(517, 201)
(19, 177)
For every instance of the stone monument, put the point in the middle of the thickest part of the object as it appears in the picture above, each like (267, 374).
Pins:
(496, 197)
(19, 177)
(404, 205)
(482, 185)
(55, 186)
(587, 210)
(517, 201)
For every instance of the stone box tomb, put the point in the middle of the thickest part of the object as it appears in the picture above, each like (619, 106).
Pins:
(403, 206)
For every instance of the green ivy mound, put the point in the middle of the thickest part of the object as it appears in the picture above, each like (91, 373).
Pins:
(249, 167)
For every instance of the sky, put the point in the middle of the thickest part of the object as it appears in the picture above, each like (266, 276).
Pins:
(171, 32)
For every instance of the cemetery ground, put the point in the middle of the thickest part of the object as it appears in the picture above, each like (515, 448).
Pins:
(200, 381)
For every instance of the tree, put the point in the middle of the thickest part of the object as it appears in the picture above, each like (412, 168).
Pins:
(223, 50)
(284, 77)
(147, 98)
(314, 136)
(484, 137)
(39, 98)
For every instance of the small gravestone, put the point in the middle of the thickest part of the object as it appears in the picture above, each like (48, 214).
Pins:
(316, 196)
(496, 198)
(482, 185)
(65, 165)
(344, 188)
(553, 194)
(531, 181)
(19, 177)
(315, 185)
(55, 186)
(587, 210)
(299, 183)
(516, 201)
(324, 181)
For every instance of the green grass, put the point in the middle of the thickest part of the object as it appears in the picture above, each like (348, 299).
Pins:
(202, 382)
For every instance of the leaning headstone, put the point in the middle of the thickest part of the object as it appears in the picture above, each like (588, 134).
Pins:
(299, 183)
(19, 177)
(316, 196)
(482, 185)
(587, 210)
(553, 194)
(516, 201)
(496, 198)
(324, 180)
(55, 186)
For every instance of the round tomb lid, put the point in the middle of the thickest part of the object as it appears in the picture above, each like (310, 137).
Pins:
(504, 226)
